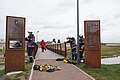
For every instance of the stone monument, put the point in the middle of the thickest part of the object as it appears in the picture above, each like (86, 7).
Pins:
(15, 44)
(92, 43)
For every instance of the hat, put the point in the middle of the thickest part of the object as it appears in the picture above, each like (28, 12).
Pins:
(29, 32)
(81, 36)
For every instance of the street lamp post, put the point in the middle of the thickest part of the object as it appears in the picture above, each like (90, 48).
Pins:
(37, 36)
(78, 47)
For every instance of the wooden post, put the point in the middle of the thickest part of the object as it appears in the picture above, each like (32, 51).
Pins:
(65, 51)
(60, 49)
(57, 49)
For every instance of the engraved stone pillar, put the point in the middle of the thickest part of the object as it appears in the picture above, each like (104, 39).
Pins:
(15, 44)
(92, 44)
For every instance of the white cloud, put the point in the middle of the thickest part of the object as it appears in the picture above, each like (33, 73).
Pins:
(116, 16)
(57, 18)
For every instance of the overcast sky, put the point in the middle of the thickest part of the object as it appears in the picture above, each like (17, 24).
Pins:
(57, 18)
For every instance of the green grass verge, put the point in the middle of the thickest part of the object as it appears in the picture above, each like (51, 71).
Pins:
(2, 72)
(0, 50)
(107, 72)
(22, 76)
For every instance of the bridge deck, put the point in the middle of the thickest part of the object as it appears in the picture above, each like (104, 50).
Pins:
(67, 72)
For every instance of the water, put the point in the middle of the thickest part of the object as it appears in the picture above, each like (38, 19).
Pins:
(114, 60)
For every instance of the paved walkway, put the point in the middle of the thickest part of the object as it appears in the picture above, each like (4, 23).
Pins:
(47, 55)
(67, 72)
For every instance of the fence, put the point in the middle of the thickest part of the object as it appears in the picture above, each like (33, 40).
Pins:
(2, 58)
(59, 48)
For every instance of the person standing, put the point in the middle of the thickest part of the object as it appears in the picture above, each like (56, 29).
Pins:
(58, 41)
(35, 49)
(43, 45)
(73, 47)
(30, 45)
(81, 44)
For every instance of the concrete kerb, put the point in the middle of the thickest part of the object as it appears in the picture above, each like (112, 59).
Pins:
(31, 73)
(17, 72)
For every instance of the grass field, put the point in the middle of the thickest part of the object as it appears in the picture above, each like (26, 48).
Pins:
(106, 51)
(110, 51)
(107, 72)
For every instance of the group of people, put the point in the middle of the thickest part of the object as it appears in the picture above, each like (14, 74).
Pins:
(32, 47)
(73, 46)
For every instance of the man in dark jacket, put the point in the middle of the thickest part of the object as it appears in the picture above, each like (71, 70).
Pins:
(30, 45)
(35, 50)
(73, 45)
(81, 44)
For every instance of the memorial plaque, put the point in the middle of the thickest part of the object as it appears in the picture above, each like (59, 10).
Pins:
(15, 32)
(92, 43)
(15, 43)
(92, 35)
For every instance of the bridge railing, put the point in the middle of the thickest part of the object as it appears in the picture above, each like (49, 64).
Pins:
(2, 57)
(59, 48)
